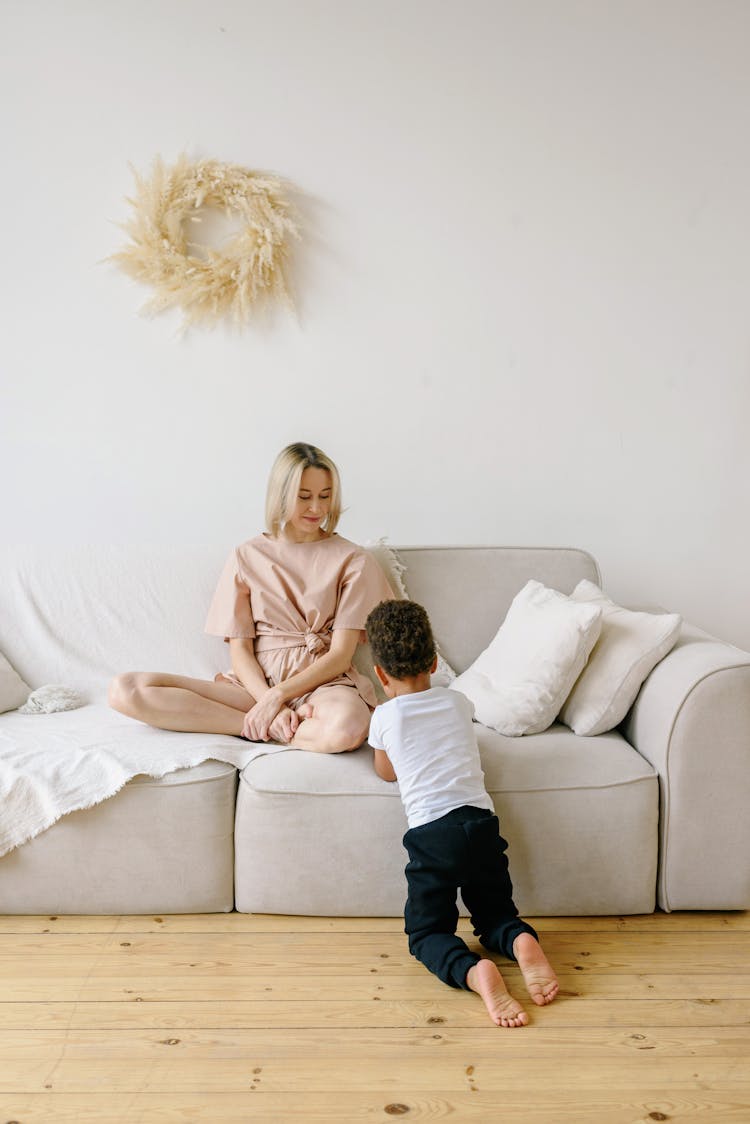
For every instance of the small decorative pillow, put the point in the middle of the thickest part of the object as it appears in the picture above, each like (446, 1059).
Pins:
(394, 570)
(13, 690)
(630, 646)
(52, 698)
(519, 682)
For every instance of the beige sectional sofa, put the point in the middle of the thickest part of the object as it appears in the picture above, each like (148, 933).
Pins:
(654, 812)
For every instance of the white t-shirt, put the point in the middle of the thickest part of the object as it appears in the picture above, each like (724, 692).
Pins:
(430, 741)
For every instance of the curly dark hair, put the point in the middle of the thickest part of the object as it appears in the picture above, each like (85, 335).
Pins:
(401, 638)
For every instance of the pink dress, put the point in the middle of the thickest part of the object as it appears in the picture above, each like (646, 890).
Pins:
(289, 597)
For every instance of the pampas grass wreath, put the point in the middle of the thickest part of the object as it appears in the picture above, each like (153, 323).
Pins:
(232, 283)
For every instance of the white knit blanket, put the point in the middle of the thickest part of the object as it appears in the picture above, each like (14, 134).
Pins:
(53, 764)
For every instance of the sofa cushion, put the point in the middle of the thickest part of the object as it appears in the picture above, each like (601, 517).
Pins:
(521, 680)
(628, 649)
(54, 764)
(582, 826)
(161, 845)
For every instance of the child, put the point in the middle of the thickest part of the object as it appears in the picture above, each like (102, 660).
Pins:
(423, 737)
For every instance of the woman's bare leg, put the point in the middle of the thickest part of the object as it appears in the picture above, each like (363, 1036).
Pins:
(334, 720)
(175, 702)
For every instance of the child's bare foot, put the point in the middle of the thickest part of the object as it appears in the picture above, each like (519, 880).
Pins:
(540, 979)
(485, 979)
(304, 711)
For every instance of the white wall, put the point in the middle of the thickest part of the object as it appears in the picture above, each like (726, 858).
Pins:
(523, 292)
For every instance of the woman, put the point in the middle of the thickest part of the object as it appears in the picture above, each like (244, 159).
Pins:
(292, 604)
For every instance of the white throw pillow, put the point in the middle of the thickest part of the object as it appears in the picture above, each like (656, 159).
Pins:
(13, 690)
(519, 682)
(629, 648)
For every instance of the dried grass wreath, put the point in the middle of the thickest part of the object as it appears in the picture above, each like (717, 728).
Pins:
(234, 282)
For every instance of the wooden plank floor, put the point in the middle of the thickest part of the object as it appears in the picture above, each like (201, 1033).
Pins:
(231, 1018)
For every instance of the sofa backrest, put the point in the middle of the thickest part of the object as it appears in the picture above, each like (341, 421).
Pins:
(77, 616)
(467, 590)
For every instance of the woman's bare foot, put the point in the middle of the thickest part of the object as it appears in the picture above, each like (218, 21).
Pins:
(540, 979)
(485, 979)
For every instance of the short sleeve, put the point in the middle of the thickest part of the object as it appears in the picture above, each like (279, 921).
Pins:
(375, 737)
(230, 614)
(469, 709)
(362, 587)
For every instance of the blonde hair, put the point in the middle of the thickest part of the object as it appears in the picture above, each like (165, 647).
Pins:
(284, 482)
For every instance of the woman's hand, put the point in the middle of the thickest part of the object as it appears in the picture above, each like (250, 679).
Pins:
(284, 726)
(260, 718)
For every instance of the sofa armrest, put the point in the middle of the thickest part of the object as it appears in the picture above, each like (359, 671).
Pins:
(691, 721)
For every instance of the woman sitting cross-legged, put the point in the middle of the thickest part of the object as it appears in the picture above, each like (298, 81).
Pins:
(292, 604)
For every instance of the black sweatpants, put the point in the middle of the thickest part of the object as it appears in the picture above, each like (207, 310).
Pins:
(464, 851)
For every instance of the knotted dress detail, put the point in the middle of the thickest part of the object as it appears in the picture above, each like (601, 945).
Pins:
(290, 597)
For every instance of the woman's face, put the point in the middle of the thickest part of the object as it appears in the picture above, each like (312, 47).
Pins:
(310, 507)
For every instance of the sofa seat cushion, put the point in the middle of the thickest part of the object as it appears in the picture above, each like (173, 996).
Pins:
(161, 844)
(559, 759)
(581, 817)
(53, 764)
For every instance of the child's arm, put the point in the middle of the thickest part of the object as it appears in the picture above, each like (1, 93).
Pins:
(381, 760)
(383, 766)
